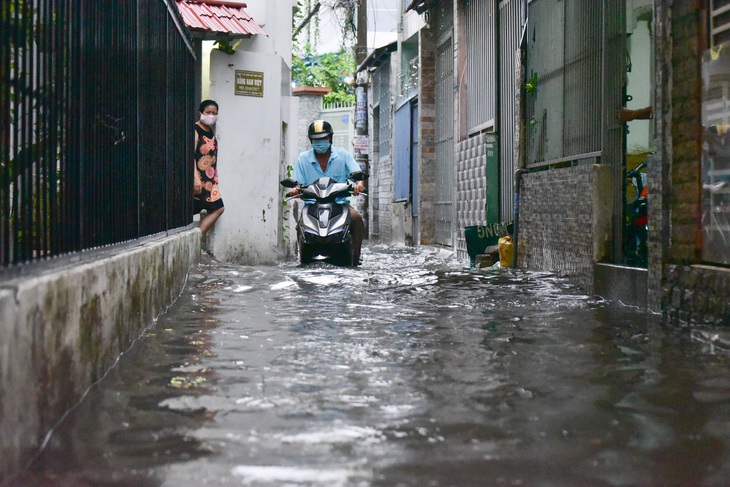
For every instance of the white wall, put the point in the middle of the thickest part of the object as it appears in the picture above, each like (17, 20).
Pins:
(639, 83)
(276, 20)
(252, 146)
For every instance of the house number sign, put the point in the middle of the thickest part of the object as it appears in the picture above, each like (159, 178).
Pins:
(249, 83)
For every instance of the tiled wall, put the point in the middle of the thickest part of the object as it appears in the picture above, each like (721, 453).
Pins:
(471, 188)
(556, 223)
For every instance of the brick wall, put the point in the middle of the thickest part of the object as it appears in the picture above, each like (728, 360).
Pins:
(683, 290)
(697, 295)
(556, 223)
(471, 188)
(382, 199)
(427, 140)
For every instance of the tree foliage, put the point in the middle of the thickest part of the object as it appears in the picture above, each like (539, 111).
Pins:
(309, 68)
(331, 70)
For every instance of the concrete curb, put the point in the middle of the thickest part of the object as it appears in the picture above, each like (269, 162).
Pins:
(60, 331)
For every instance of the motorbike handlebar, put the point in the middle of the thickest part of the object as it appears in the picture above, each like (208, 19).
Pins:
(637, 170)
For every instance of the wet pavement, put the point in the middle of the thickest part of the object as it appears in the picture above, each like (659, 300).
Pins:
(409, 371)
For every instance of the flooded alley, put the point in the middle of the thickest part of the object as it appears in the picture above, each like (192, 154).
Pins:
(412, 370)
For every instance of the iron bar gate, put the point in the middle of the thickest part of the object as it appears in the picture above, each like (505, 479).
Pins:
(481, 78)
(563, 104)
(442, 20)
(510, 30)
(576, 68)
(96, 104)
(444, 192)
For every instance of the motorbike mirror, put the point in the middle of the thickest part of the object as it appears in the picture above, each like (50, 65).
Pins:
(289, 183)
(359, 176)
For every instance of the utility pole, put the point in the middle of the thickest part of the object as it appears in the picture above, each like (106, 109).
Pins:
(361, 50)
(361, 106)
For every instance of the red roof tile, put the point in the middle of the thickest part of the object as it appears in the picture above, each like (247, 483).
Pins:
(218, 17)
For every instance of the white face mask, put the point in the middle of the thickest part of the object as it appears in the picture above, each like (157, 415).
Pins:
(208, 120)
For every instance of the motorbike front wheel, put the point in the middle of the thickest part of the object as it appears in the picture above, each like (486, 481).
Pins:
(305, 254)
(344, 256)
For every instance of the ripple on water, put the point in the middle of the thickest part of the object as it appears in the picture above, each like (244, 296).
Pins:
(282, 475)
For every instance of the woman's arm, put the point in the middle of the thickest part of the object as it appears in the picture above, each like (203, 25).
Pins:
(197, 183)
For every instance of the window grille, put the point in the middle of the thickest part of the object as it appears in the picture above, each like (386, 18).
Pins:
(719, 22)
(481, 79)
(563, 101)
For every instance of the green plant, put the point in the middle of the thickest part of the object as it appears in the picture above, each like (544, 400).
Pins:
(330, 70)
(310, 68)
(285, 212)
(531, 85)
(225, 45)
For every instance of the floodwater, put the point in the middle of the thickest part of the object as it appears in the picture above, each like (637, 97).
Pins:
(412, 370)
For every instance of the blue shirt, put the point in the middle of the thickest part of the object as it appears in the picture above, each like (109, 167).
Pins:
(341, 164)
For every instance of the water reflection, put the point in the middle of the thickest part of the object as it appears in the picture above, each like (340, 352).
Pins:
(411, 370)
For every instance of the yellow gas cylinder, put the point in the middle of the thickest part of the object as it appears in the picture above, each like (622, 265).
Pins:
(506, 251)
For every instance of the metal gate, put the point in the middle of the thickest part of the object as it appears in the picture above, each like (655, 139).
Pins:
(614, 72)
(443, 198)
(576, 65)
(480, 66)
(510, 29)
(96, 104)
(341, 118)
(564, 54)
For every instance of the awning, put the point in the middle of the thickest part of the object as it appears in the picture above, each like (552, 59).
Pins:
(217, 19)
(377, 57)
(421, 6)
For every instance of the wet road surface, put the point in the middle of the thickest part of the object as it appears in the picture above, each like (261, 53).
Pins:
(409, 371)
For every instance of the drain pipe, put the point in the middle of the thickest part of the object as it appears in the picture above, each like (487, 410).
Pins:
(520, 147)
(518, 183)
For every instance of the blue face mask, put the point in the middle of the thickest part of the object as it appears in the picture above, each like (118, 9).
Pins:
(321, 146)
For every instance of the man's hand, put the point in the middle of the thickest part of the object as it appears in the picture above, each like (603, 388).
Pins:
(294, 191)
(358, 188)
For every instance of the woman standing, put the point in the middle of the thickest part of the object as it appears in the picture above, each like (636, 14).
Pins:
(206, 194)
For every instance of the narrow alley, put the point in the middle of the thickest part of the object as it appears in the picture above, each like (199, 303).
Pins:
(409, 371)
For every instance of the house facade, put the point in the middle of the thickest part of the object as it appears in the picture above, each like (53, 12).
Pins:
(567, 120)
(249, 75)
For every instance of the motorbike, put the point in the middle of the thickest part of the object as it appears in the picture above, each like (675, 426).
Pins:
(637, 221)
(323, 224)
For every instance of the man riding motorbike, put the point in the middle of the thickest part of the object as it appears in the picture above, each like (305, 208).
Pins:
(334, 162)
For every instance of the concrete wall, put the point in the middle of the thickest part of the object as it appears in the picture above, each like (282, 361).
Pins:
(62, 329)
(255, 138)
(251, 149)
(276, 20)
(310, 109)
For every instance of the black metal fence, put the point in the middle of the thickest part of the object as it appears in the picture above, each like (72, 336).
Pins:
(96, 104)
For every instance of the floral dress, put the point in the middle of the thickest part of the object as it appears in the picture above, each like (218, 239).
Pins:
(207, 196)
